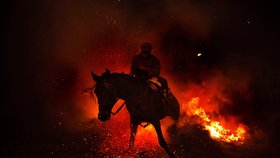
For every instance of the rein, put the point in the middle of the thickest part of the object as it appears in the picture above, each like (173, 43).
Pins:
(119, 109)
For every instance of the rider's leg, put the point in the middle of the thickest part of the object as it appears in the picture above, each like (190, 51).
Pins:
(163, 82)
(165, 88)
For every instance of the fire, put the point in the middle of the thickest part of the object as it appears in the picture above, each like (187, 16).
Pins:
(146, 136)
(216, 130)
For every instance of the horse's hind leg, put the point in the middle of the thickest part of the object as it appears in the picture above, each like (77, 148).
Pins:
(133, 127)
(161, 139)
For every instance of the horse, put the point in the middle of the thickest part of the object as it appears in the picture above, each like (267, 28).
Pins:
(142, 102)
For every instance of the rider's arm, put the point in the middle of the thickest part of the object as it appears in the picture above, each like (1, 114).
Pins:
(156, 67)
(133, 66)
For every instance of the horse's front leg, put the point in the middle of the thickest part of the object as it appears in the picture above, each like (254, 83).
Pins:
(133, 127)
(161, 140)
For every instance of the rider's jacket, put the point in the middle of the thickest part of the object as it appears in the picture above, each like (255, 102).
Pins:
(145, 66)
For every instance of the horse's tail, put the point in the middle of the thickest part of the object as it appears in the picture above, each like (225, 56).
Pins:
(174, 109)
(175, 115)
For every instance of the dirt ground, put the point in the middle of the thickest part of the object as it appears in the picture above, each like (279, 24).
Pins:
(95, 140)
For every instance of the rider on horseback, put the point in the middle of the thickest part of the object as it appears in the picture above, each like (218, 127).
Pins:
(147, 66)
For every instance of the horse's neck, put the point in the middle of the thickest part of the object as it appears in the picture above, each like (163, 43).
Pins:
(125, 87)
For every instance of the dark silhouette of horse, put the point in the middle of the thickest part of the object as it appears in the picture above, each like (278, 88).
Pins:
(142, 102)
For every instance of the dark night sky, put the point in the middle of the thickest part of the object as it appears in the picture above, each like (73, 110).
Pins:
(49, 46)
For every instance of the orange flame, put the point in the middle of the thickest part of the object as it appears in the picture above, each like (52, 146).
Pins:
(216, 130)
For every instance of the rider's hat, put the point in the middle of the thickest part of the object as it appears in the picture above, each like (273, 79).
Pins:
(146, 46)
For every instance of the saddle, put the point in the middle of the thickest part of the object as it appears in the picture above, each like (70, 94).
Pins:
(156, 86)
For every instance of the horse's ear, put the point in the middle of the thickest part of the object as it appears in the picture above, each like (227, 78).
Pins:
(107, 71)
(94, 76)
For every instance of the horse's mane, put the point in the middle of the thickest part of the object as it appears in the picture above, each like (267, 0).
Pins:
(128, 77)
(123, 75)
(104, 75)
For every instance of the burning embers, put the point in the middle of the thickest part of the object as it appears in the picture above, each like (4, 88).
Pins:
(216, 130)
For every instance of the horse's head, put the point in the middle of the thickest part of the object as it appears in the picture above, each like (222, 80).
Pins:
(105, 93)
